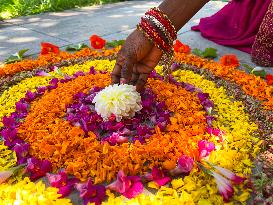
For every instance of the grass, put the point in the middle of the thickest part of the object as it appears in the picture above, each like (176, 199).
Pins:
(15, 8)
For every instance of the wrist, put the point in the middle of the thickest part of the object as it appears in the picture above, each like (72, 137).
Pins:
(180, 11)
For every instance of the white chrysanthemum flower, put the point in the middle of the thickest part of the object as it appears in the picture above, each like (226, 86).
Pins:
(121, 100)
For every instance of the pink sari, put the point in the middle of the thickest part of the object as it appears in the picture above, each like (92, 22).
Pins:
(242, 24)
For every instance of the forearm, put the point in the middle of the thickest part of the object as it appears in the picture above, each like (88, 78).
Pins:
(181, 11)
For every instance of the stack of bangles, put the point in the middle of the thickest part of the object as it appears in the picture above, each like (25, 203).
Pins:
(158, 28)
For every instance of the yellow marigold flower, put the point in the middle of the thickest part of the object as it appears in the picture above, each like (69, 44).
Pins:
(26, 192)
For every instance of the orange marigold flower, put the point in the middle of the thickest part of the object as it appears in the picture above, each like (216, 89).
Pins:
(53, 138)
(229, 60)
(269, 79)
(97, 42)
(180, 47)
(47, 48)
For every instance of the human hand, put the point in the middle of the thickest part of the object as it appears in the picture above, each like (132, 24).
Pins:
(135, 61)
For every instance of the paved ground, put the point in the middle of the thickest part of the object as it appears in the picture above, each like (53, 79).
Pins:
(114, 21)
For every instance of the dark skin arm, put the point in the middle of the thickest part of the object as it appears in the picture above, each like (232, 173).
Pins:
(138, 56)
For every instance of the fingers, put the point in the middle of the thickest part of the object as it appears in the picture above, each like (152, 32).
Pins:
(141, 82)
(126, 71)
(116, 74)
(135, 77)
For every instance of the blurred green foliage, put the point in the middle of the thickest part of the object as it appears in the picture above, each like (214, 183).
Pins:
(14, 8)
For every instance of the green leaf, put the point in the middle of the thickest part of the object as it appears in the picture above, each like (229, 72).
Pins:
(258, 71)
(82, 45)
(115, 43)
(197, 52)
(12, 59)
(16, 56)
(59, 72)
(210, 53)
(204, 169)
(76, 47)
(248, 67)
(261, 73)
(21, 53)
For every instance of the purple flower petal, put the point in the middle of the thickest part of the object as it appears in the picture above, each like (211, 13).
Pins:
(9, 122)
(62, 182)
(22, 151)
(175, 66)
(116, 138)
(128, 186)
(65, 190)
(30, 96)
(42, 73)
(205, 148)
(224, 186)
(41, 90)
(189, 87)
(79, 73)
(91, 193)
(203, 96)
(38, 168)
(184, 165)
(92, 70)
(21, 107)
(158, 176)
(9, 135)
(53, 84)
(214, 131)
(209, 119)
(57, 180)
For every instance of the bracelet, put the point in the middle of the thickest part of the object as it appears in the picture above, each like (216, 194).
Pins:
(161, 27)
(155, 36)
(157, 27)
(164, 20)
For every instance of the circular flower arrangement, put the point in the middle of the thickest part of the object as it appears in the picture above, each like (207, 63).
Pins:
(177, 142)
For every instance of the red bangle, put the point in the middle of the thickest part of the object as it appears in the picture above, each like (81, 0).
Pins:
(164, 20)
(152, 33)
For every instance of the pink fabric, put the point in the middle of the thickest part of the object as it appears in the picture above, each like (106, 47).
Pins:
(236, 24)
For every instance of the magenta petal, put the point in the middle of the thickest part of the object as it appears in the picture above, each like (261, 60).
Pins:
(205, 148)
(65, 190)
(162, 181)
(21, 151)
(9, 121)
(230, 175)
(38, 168)
(158, 176)
(224, 186)
(119, 184)
(148, 177)
(30, 96)
(238, 180)
(91, 193)
(57, 180)
(203, 96)
(185, 163)
(41, 90)
(134, 190)
(129, 186)
(42, 73)
(92, 70)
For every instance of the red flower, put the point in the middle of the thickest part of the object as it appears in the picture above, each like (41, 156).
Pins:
(47, 48)
(269, 79)
(229, 60)
(97, 42)
(180, 47)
